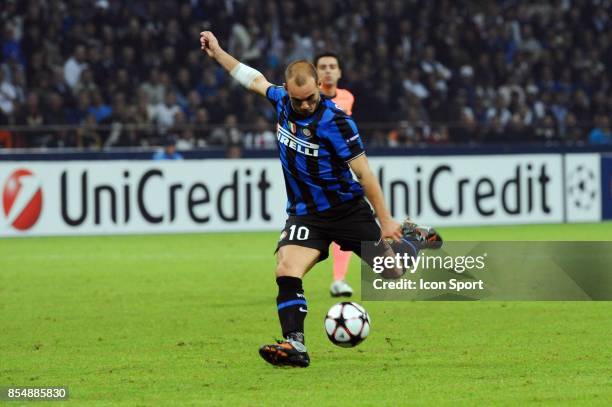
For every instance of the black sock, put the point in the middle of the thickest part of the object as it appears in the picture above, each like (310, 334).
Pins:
(292, 307)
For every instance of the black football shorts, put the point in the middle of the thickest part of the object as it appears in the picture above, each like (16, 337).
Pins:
(348, 224)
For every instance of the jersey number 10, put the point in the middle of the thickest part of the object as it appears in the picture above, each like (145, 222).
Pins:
(302, 232)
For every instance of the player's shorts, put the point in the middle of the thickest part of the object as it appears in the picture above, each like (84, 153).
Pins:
(348, 224)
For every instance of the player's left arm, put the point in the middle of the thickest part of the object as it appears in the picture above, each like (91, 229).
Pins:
(361, 168)
(346, 141)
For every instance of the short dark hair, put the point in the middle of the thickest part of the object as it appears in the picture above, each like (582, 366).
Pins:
(301, 70)
(327, 54)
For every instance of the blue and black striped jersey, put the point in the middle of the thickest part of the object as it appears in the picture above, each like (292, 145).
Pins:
(314, 153)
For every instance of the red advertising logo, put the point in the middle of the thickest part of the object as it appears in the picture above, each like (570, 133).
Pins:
(22, 199)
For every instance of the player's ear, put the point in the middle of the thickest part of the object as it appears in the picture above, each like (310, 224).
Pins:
(285, 85)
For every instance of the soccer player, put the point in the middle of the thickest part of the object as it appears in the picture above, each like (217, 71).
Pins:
(329, 72)
(318, 145)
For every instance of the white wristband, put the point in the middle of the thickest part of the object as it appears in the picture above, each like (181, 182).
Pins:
(244, 74)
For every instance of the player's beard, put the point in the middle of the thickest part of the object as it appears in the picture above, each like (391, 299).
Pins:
(307, 113)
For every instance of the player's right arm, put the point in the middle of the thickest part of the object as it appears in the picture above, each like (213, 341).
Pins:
(248, 77)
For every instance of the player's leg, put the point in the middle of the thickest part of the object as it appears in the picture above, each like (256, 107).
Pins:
(415, 238)
(341, 260)
(360, 227)
(369, 250)
(302, 244)
(293, 262)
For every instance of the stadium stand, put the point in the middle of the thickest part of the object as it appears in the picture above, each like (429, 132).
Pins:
(118, 74)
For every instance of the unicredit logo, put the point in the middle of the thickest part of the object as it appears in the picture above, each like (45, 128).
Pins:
(21, 200)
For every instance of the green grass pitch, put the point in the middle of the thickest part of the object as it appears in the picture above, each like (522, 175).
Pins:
(177, 320)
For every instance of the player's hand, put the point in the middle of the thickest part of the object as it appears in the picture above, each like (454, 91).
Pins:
(209, 43)
(391, 229)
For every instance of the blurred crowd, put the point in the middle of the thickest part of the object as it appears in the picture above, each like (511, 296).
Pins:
(130, 73)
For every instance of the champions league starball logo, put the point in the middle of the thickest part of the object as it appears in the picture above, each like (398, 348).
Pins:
(22, 200)
(582, 188)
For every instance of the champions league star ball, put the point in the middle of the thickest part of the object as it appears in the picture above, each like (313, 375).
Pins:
(582, 187)
(347, 324)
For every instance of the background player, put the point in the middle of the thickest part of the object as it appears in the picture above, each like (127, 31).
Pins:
(329, 71)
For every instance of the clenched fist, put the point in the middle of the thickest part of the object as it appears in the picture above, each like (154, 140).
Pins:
(209, 43)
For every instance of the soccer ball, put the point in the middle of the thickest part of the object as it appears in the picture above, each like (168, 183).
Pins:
(347, 324)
